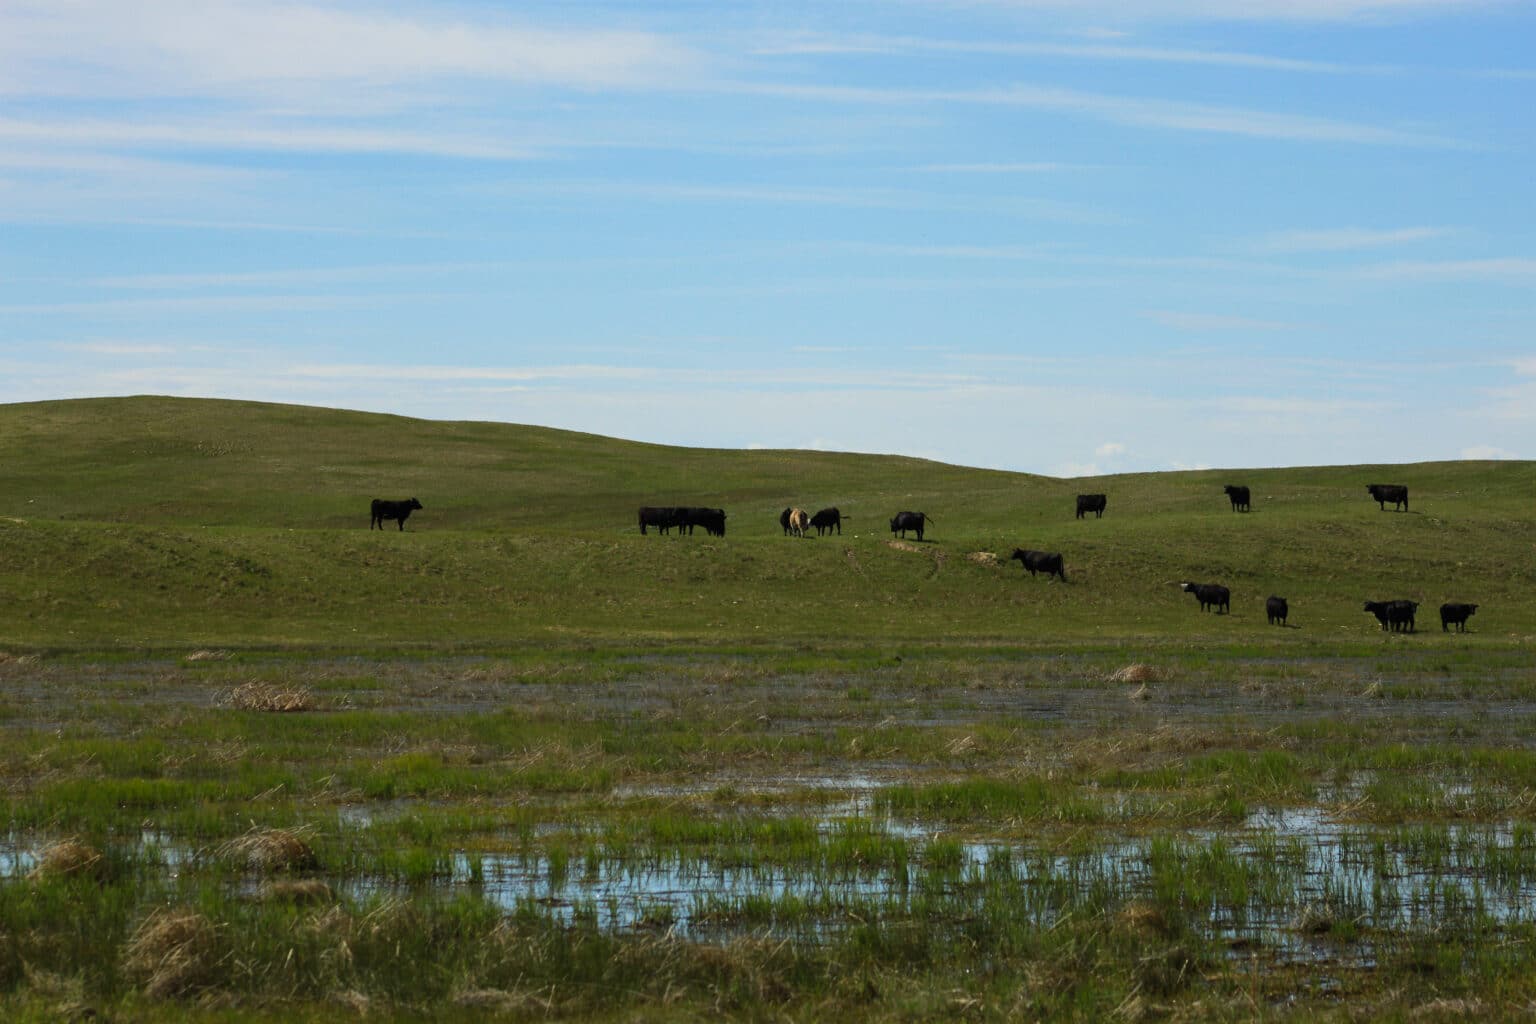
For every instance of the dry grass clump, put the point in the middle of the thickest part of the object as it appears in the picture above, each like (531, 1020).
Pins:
(69, 858)
(309, 892)
(207, 655)
(1144, 917)
(983, 557)
(1449, 1009)
(271, 850)
(1138, 672)
(270, 697)
(495, 1000)
(174, 952)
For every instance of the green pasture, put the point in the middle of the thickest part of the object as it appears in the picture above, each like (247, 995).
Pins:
(157, 522)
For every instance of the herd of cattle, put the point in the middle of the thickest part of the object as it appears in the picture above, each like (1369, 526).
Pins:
(1394, 616)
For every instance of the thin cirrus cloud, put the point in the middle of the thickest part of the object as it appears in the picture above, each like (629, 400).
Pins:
(1127, 110)
(258, 47)
(907, 45)
(198, 135)
(1213, 322)
(1346, 239)
(1248, 10)
(1507, 270)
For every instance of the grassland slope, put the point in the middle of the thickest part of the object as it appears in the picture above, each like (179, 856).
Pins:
(161, 521)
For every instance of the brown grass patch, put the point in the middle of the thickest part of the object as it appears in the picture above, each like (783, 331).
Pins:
(901, 545)
(207, 655)
(298, 891)
(69, 858)
(1137, 672)
(271, 850)
(983, 557)
(270, 697)
(174, 952)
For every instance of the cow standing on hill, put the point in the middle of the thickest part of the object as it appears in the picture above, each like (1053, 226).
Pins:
(1238, 496)
(1091, 503)
(660, 517)
(1048, 562)
(1394, 616)
(712, 519)
(827, 520)
(1455, 614)
(399, 511)
(784, 520)
(799, 521)
(1277, 610)
(1210, 595)
(1397, 494)
(904, 521)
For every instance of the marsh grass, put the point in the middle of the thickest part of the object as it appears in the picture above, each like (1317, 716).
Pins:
(260, 696)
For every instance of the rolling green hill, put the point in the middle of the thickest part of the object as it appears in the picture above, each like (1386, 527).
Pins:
(174, 522)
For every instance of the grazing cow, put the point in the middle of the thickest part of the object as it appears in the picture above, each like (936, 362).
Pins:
(399, 511)
(827, 520)
(799, 521)
(712, 519)
(1048, 562)
(904, 521)
(1277, 610)
(1210, 595)
(1457, 614)
(1091, 503)
(661, 518)
(784, 520)
(1238, 496)
(1397, 494)
(1396, 616)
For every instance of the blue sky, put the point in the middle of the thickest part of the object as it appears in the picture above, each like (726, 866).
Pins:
(1062, 237)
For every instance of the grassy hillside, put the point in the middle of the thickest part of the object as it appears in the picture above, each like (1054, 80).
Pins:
(154, 521)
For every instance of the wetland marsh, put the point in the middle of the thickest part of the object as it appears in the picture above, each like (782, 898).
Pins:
(893, 833)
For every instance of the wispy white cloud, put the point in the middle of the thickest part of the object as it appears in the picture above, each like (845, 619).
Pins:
(1346, 239)
(248, 136)
(905, 45)
(285, 48)
(1487, 451)
(117, 348)
(1213, 321)
(1109, 449)
(1128, 110)
(1044, 167)
(1511, 269)
(1249, 10)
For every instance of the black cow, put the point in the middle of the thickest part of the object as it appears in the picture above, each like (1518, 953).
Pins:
(904, 521)
(1210, 595)
(1277, 610)
(784, 520)
(399, 511)
(661, 518)
(1397, 494)
(712, 519)
(1238, 496)
(1091, 503)
(827, 520)
(1048, 562)
(1457, 614)
(1396, 616)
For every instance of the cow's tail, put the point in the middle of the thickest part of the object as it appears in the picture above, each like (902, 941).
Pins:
(930, 518)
